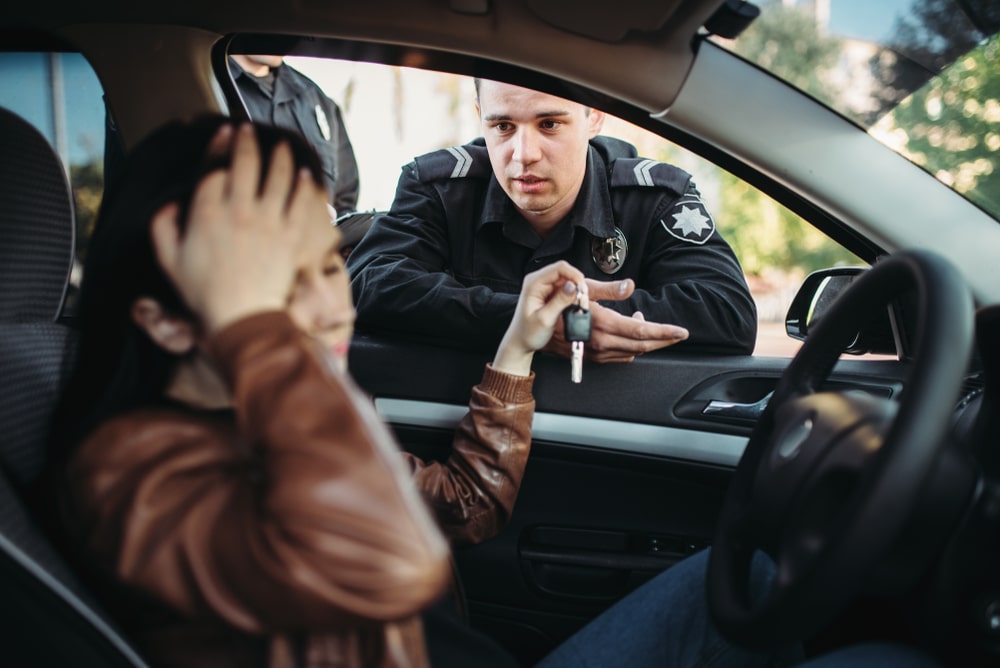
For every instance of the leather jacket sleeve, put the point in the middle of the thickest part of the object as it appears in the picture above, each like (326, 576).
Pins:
(297, 517)
(473, 492)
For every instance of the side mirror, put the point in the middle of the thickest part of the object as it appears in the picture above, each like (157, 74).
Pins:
(819, 290)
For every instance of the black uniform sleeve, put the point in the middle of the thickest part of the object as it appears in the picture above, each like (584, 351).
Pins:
(694, 281)
(401, 283)
(345, 198)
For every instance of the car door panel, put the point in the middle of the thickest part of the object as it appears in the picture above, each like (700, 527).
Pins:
(614, 491)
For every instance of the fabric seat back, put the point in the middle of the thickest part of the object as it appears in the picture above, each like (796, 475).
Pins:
(46, 616)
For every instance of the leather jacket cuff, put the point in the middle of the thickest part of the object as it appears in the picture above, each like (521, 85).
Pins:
(506, 387)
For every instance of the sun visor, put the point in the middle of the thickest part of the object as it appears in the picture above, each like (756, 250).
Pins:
(613, 21)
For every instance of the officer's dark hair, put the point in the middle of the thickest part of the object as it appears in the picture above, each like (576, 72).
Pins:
(118, 367)
(477, 80)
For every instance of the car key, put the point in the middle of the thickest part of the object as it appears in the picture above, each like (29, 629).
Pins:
(576, 325)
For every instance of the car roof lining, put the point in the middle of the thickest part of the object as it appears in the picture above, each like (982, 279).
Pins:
(610, 22)
(575, 48)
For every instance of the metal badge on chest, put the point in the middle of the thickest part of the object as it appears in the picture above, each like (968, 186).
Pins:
(609, 254)
(323, 122)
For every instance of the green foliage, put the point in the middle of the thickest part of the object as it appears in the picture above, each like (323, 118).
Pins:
(768, 237)
(787, 42)
(951, 126)
(87, 181)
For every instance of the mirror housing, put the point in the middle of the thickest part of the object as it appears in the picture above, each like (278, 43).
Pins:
(819, 290)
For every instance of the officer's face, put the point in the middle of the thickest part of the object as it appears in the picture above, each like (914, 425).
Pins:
(269, 61)
(538, 148)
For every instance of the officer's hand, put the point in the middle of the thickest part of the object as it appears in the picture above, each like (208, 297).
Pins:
(618, 338)
(615, 337)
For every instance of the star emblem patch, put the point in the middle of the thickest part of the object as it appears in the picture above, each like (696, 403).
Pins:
(609, 254)
(689, 220)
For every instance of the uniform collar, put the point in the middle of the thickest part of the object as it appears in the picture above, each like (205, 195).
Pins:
(594, 198)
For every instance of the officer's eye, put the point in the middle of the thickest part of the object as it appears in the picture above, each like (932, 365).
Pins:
(503, 127)
(550, 124)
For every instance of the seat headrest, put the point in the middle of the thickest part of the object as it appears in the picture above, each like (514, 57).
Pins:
(37, 231)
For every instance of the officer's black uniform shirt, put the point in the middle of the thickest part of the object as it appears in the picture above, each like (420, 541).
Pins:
(293, 101)
(447, 261)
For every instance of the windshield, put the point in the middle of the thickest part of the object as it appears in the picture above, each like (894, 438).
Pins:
(921, 76)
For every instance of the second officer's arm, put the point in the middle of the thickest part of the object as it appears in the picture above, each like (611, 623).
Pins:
(400, 276)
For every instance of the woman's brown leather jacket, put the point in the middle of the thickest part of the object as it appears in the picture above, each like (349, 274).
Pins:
(287, 532)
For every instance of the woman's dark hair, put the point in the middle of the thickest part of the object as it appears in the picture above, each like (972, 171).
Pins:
(118, 367)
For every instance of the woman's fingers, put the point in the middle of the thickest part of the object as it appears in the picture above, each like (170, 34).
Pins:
(209, 195)
(299, 207)
(221, 141)
(545, 294)
(244, 172)
(550, 278)
(280, 183)
(551, 310)
(166, 237)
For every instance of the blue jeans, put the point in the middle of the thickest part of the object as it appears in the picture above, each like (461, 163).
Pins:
(665, 623)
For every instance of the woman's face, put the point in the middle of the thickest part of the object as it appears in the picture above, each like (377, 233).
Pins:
(320, 302)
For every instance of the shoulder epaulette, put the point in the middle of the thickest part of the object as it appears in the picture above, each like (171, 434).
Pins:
(455, 162)
(643, 172)
(612, 148)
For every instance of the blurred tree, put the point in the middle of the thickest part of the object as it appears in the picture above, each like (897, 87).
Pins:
(940, 93)
(951, 126)
(925, 40)
(766, 236)
(787, 41)
(88, 188)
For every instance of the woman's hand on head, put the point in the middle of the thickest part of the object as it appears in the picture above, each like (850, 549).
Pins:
(238, 254)
(545, 293)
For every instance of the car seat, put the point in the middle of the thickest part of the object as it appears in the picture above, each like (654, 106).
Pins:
(46, 615)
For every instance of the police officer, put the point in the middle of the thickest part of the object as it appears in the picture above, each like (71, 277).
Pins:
(468, 222)
(275, 93)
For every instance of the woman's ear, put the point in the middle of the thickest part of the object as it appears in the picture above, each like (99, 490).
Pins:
(174, 334)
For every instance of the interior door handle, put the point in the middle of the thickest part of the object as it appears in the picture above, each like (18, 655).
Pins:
(732, 409)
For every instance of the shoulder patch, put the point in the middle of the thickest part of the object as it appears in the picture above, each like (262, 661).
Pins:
(455, 162)
(689, 220)
(645, 173)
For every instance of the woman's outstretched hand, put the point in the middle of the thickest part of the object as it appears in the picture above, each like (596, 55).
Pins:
(545, 293)
(238, 253)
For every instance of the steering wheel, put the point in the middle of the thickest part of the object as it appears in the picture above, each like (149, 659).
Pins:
(829, 479)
